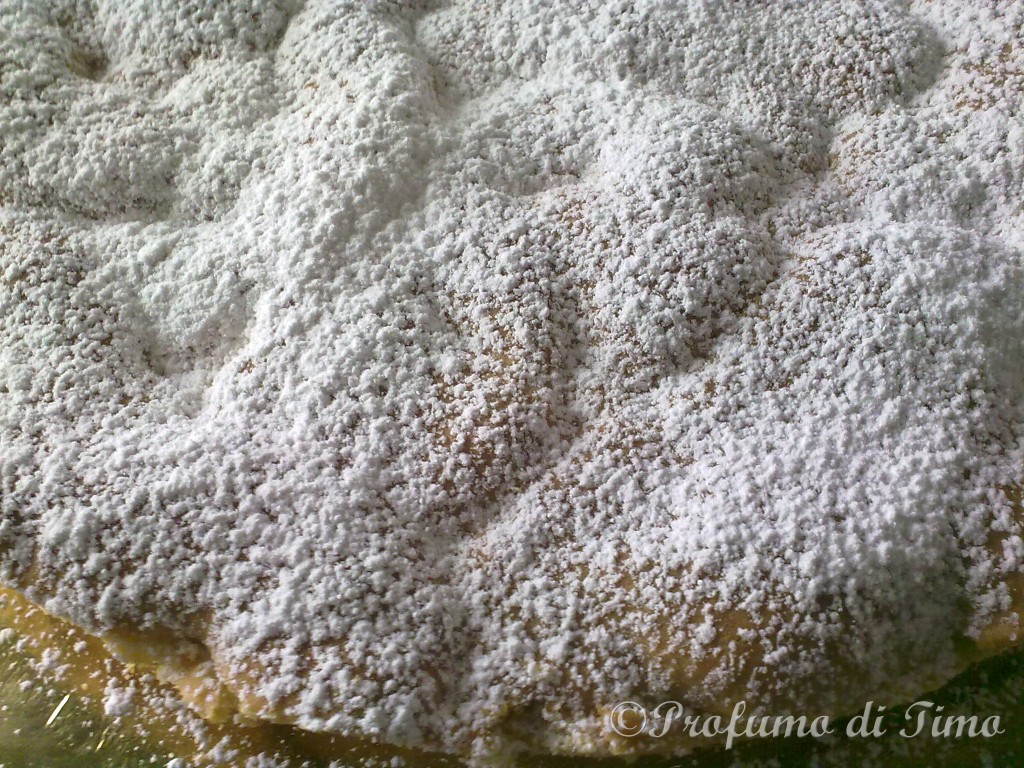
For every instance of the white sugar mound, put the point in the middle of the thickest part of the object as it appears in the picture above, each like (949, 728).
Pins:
(460, 363)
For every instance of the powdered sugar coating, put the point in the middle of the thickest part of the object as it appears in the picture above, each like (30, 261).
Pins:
(453, 372)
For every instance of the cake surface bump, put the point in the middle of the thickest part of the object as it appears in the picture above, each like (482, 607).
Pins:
(443, 374)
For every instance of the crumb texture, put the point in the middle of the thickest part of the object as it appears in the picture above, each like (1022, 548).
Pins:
(445, 372)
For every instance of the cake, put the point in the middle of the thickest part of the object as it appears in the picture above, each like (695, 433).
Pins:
(442, 375)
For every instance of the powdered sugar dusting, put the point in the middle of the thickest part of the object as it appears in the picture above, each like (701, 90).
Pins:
(453, 372)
